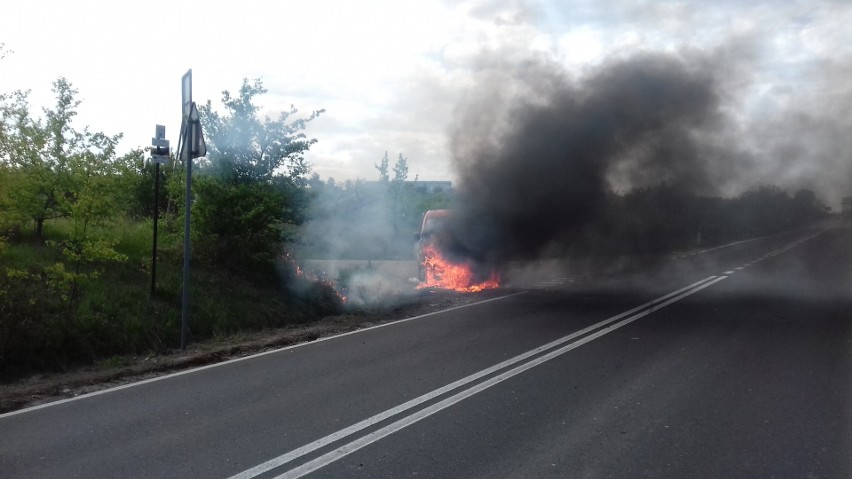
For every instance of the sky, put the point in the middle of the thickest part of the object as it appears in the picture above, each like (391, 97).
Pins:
(395, 75)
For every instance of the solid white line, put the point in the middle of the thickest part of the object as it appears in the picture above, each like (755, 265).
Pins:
(313, 446)
(244, 358)
(379, 434)
(793, 244)
(693, 253)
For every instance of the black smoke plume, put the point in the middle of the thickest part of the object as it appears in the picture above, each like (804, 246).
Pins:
(535, 150)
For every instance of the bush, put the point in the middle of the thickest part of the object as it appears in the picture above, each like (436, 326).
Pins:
(237, 226)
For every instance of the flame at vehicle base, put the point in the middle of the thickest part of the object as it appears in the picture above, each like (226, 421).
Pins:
(444, 274)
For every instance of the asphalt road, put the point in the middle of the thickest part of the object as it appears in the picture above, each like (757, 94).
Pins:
(734, 362)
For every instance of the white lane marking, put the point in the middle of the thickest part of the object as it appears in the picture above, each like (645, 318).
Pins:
(684, 255)
(379, 434)
(775, 252)
(793, 244)
(313, 446)
(244, 358)
(558, 281)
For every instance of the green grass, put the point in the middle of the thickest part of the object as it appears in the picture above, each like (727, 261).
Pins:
(114, 315)
(22, 256)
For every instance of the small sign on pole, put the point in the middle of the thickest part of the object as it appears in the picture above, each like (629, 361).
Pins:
(159, 154)
(160, 145)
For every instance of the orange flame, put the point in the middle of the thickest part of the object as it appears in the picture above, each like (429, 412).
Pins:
(313, 276)
(444, 274)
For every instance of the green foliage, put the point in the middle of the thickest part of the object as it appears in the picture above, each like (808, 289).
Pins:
(140, 175)
(400, 169)
(663, 218)
(382, 168)
(248, 190)
(58, 172)
(6, 176)
(237, 225)
(43, 328)
(75, 257)
(245, 148)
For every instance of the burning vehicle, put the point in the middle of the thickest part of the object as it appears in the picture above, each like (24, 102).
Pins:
(440, 265)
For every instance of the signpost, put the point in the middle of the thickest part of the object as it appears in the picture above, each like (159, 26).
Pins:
(191, 146)
(159, 154)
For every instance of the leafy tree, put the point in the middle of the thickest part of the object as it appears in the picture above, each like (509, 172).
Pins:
(400, 173)
(20, 144)
(252, 183)
(60, 172)
(400, 169)
(245, 148)
(56, 168)
(382, 167)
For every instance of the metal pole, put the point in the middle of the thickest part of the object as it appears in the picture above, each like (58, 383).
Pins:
(156, 217)
(159, 152)
(184, 314)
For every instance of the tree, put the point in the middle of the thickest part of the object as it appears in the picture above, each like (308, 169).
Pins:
(29, 179)
(382, 167)
(245, 148)
(54, 165)
(400, 173)
(51, 170)
(400, 170)
(253, 182)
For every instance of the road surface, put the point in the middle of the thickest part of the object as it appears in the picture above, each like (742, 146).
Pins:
(732, 362)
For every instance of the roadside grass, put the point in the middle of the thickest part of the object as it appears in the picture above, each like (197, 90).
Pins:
(114, 315)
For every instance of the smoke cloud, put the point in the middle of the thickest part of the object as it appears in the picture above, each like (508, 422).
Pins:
(536, 163)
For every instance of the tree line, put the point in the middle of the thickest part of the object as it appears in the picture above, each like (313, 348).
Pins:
(665, 218)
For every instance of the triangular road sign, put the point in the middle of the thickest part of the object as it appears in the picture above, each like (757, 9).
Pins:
(194, 144)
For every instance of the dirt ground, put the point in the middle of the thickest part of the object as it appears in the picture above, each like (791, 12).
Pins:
(45, 388)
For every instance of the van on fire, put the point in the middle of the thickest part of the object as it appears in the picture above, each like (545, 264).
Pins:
(434, 222)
